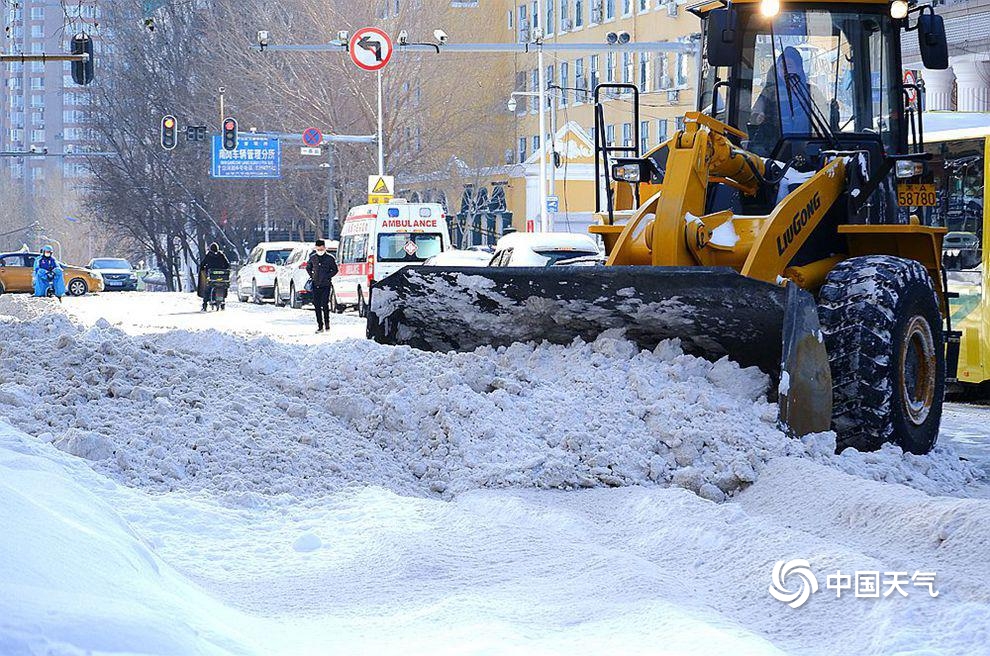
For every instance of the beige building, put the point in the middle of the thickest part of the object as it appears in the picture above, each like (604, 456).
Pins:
(485, 193)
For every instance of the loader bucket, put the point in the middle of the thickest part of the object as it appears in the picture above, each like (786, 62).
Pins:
(714, 312)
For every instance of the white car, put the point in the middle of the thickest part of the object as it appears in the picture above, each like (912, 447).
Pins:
(256, 279)
(541, 249)
(292, 281)
(459, 258)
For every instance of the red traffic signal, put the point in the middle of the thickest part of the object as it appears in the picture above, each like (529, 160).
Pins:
(230, 133)
(169, 126)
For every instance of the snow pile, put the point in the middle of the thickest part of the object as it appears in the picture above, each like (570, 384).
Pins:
(255, 419)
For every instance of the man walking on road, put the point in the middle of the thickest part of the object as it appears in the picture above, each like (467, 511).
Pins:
(322, 267)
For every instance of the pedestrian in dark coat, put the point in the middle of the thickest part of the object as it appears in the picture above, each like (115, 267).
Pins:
(322, 267)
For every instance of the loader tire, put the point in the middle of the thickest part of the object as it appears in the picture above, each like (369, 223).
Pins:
(883, 332)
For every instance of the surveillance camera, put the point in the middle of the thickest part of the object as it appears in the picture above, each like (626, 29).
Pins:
(343, 36)
(624, 37)
(263, 38)
(403, 38)
(611, 38)
(511, 104)
(441, 36)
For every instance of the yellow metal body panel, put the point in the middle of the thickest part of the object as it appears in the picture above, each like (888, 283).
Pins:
(970, 312)
(913, 242)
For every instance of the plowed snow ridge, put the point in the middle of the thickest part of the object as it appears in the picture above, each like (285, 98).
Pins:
(251, 420)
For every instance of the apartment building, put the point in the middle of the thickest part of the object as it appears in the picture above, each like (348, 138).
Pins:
(40, 106)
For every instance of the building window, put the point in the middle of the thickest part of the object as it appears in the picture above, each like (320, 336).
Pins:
(682, 69)
(644, 71)
(627, 139)
(609, 135)
(662, 129)
(536, 143)
(661, 74)
(523, 25)
(578, 13)
(595, 71)
(549, 79)
(534, 102)
(37, 13)
(522, 149)
(679, 123)
(609, 10)
(535, 13)
(580, 82)
(610, 67)
(564, 82)
(627, 6)
(644, 136)
(550, 23)
(627, 67)
(37, 32)
(643, 5)
(38, 136)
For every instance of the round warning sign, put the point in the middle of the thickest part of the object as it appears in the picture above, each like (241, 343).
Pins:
(909, 81)
(370, 49)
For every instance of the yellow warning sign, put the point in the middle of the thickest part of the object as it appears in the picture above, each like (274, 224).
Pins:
(381, 188)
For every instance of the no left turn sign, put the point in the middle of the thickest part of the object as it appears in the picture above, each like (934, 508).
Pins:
(370, 49)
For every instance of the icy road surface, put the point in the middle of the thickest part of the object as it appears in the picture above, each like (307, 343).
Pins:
(174, 482)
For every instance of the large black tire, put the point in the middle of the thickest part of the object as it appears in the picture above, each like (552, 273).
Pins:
(883, 333)
(77, 287)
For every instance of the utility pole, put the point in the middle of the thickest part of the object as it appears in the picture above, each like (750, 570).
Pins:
(267, 223)
(331, 196)
(381, 140)
(542, 81)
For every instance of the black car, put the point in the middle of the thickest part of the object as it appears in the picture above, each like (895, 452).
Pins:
(118, 274)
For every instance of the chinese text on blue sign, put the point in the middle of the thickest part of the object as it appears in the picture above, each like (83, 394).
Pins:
(255, 158)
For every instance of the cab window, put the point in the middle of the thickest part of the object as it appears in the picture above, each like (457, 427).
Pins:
(959, 181)
(12, 260)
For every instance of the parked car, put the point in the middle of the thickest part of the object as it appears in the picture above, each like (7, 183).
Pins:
(256, 278)
(117, 273)
(17, 272)
(540, 249)
(292, 281)
(459, 258)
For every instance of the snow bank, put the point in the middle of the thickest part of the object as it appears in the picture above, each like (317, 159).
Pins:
(254, 419)
(75, 579)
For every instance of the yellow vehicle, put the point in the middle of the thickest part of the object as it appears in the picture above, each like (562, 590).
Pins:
(767, 230)
(959, 144)
(17, 270)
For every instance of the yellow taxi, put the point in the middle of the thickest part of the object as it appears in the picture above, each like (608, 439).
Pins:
(17, 270)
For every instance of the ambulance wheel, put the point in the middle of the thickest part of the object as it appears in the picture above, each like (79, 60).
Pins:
(362, 306)
(883, 332)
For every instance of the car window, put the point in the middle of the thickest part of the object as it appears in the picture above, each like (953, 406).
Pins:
(294, 257)
(277, 256)
(110, 263)
(12, 260)
(554, 256)
(255, 255)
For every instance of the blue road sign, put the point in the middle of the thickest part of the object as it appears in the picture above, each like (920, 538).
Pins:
(255, 157)
(553, 204)
(312, 137)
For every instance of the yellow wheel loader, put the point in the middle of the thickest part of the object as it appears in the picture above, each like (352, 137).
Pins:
(778, 228)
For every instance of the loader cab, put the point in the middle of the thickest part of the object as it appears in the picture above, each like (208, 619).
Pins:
(803, 78)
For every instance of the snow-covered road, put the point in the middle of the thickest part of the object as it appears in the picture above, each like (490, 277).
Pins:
(234, 483)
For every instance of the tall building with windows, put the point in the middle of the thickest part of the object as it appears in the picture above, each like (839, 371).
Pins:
(40, 106)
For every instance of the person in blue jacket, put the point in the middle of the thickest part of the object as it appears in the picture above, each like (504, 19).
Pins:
(48, 273)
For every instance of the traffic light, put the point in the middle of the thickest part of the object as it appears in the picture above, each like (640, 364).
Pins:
(230, 133)
(168, 132)
(82, 71)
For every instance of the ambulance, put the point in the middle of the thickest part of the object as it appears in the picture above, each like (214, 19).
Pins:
(379, 239)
